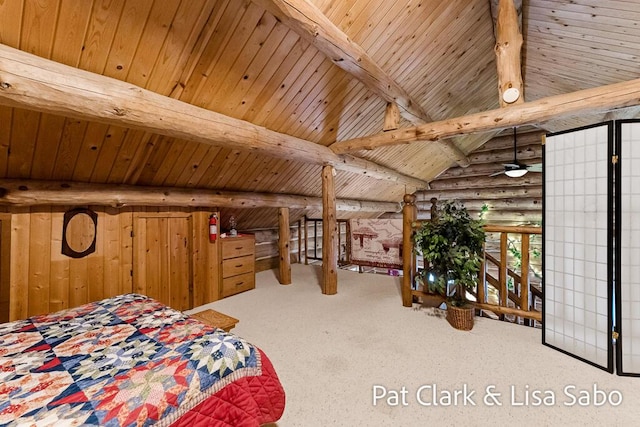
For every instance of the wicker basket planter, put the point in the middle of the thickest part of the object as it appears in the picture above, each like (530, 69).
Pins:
(461, 317)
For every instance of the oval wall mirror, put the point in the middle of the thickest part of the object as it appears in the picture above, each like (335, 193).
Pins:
(79, 232)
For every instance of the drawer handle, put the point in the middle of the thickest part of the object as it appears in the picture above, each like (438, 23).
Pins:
(239, 265)
(237, 249)
(239, 283)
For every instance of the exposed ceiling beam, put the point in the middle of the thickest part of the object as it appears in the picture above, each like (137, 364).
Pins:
(18, 192)
(304, 18)
(588, 101)
(34, 83)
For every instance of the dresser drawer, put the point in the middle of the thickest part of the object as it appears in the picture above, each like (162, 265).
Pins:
(235, 266)
(239, 283)
(237, 246)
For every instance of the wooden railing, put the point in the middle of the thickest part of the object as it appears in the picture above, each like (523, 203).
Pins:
(519, 302)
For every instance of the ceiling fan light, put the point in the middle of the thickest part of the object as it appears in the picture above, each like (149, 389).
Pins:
(515, 173)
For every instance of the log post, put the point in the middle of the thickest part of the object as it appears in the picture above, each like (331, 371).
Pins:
(284, 237)
(329, 230)
(391, 117)
(409, 215)
(508, 47)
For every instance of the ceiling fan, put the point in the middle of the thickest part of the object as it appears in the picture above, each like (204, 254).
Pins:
(516, 169)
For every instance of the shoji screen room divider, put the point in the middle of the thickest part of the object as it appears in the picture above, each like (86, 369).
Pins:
(591, 244)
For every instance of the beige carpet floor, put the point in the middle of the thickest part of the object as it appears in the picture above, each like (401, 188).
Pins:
(334, 354)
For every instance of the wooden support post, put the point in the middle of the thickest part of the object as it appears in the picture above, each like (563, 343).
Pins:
(306, 241)
(502, 276)
(329, 230)
(300, 241)
(508, 47)
(409, 215)
(482, 283)
(524, 275)
(391, 117)
(284, 237)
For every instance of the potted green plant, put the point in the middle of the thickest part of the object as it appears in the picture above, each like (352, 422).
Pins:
(451, 243)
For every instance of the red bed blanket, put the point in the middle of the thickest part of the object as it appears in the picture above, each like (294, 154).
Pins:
(131, 361)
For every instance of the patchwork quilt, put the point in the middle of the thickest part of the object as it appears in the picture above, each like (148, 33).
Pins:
(131, 361)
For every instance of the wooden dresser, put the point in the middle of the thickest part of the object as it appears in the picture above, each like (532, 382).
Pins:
(238, 264)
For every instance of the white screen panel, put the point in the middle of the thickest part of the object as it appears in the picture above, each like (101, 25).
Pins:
(576, 237)
(629, 274)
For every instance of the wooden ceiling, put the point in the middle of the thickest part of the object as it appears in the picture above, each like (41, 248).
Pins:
(235, 58)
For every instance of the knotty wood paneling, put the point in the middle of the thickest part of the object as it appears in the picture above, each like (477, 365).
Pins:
(35, 277)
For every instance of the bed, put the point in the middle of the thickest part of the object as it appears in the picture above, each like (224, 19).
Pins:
(132, 361)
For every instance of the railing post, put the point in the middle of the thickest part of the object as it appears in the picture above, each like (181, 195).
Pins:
(482, 284)
(524, 276)
(409, 215)
(502, 274)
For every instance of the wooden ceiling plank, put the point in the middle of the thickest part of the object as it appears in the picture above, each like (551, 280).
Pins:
(179, 164)
(242, 169)
(166, 163)
(203, 166)
(604, 98)
(315, 98)
(193, 24)
(68, 148)
(156, 156)
(126, 154)
(108, 152)
(38, 35)
(6, 116)
(286, 75)
(193, 164)
(100, 34)
(257, 76)
(158, 25)
(11, 22)
(271, 75)
(229, 53)
(46, 146)
(203, 65)
(24, 134)
(256, 55)
(127, 38)
(74, 18)
(283, 114)
(92, 143)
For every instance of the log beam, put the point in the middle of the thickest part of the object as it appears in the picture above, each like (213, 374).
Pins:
(28, 81)
(482, 193)
(284, 236)
(502, 180)
(595, 100)
(329, 233)
(41, 193)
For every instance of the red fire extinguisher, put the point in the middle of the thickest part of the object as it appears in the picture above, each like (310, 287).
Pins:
(213, 227)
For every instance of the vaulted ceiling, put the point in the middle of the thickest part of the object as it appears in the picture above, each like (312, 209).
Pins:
(235, 58)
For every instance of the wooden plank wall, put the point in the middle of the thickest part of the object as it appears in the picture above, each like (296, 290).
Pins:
(42, 280)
